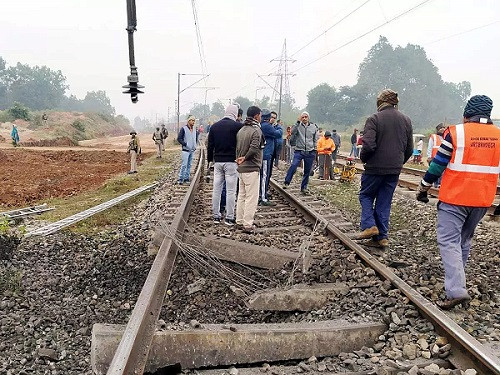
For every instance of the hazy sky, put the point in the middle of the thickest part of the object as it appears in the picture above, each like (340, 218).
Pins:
(86, 39)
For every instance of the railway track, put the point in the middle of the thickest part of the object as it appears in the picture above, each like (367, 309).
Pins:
(299, 268)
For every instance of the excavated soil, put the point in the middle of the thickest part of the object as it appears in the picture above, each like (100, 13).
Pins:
(28, 176)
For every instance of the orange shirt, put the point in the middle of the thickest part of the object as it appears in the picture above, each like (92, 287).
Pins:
(325, 146)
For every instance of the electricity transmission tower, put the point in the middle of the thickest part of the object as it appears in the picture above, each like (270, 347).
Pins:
(282, 84)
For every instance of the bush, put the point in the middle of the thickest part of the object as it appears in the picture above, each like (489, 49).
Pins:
(5, 116)
(19, 111)
(36, 122)
(79, 124)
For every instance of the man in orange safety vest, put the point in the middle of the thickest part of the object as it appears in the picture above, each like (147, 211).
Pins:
(469, 156)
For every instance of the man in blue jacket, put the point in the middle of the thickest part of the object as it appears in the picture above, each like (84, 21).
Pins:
(270, 134)
(187, 138)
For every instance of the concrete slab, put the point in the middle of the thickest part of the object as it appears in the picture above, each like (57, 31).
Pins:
(245, 253)
(300, 297)
(213, 345)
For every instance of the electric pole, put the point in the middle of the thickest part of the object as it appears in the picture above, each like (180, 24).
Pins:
(282, 75)
(179, 91)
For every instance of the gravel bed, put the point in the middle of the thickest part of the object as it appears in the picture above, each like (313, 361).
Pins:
(66, 282)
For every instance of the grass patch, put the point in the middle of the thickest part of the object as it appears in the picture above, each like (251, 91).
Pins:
(10, 281)
(150, 170)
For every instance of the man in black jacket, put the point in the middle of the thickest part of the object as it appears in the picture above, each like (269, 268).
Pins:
(221, 149)
(387, 145)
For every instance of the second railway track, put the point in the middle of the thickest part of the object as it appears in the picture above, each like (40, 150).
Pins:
(299, 269)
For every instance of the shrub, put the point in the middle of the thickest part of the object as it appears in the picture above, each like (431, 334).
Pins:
(79, 124)
(19, 111)
(5, 116)
(36, 122)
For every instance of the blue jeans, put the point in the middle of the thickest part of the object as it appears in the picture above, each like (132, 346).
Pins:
(455, 228)
(378, 189)
(298, 156)
(354, 151)
(185, 171)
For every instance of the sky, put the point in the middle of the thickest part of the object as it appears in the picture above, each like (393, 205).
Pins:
(87, 41)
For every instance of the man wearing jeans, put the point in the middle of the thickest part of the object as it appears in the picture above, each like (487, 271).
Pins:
(187, 138)
(221, 149)
(387, 145)
(304, 139)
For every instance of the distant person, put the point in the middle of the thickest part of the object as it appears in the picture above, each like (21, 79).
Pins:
(45, 118)
(435, 141)
(14, 134)
(158, 140)
(469, 161)
(304, 139)
(270, 134)
(134, 149)
(354, 142)
(359, 143)
(337, 141)
(188, 139)
(221, 149)
(326, 146)
(239, 118)
(278, 145)
(249, 149)
(387, 145)
(164, 135)
(289, 157)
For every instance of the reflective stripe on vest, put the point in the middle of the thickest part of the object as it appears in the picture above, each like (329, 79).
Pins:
(436, 142)
(472, 175)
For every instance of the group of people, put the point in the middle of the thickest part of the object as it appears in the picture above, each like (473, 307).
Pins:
(465, 158)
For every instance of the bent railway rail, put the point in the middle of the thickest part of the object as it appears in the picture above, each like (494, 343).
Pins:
(132, 353)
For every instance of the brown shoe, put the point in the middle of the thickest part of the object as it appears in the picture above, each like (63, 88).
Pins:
(384, 242)
(448, 304)
(367, 233)
(373, 243)
(249, 230)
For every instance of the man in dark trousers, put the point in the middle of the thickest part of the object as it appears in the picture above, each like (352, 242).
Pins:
(221, 149)
(337, 141)
(387, 145)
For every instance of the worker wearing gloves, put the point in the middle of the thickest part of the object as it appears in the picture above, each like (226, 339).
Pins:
(469, 156)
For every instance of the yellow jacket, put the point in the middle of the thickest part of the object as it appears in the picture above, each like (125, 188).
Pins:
(325, 146)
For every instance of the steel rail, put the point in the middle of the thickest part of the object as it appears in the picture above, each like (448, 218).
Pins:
(484, 359)
(132, 353)
(73, 219)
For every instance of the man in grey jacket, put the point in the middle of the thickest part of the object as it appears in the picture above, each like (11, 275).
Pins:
(304, 139)
(249, 149)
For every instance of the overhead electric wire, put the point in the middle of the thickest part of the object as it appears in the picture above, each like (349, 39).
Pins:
(462, 32)
(331, 27)
(362, 35)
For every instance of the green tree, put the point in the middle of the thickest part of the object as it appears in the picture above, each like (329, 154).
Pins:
(98, 101)
(320, 103)
(200, 111)
(19, 111)
(36, 87)
(265, 102)
(243, 102)
(217, 109)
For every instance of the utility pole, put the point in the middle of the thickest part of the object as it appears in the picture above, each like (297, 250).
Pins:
(257, 89)
(168, 115)
(282, 74)
(179, 91)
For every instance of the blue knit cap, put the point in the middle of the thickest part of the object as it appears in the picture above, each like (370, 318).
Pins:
(478, 105)
(266, 115)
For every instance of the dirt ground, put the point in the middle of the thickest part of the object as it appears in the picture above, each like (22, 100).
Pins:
(28, 176)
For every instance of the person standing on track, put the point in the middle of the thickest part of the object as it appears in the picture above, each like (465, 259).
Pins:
(433, 146)
(271, 134)
(354, 142)
(326, 146)
(157, 138)
(134, 149)
(221, 149)
(188, 139)
(337, 141)
(469, 157)
(249, 149)
(304, 139)
(387, 145)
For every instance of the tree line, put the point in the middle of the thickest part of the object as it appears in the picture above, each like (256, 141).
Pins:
(424, 96)
(41, 88)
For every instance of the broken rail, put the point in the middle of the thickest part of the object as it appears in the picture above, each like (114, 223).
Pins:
(132, 352)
